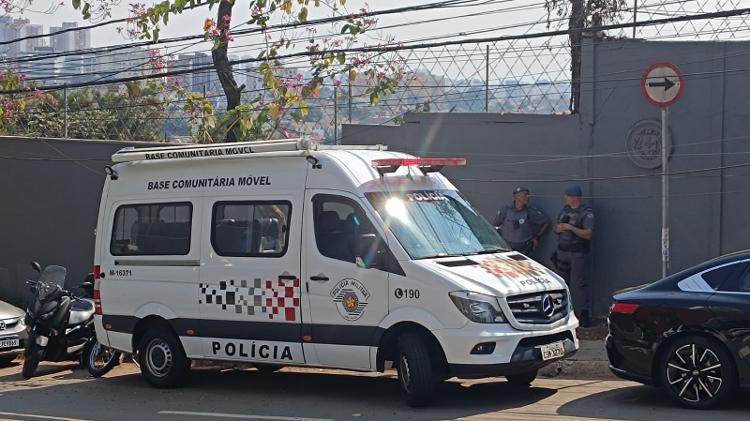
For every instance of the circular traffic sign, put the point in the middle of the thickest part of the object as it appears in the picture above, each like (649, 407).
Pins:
(662, 84)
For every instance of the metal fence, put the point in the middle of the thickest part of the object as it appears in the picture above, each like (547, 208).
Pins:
(527, 75)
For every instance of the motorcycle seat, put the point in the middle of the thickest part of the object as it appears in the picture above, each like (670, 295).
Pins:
(80, 311)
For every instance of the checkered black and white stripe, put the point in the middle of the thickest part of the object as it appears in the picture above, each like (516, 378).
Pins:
(279, 299)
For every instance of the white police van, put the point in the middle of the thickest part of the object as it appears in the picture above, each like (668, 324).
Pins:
(287, 253)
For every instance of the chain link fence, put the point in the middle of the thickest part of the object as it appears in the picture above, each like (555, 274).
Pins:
(527, 75)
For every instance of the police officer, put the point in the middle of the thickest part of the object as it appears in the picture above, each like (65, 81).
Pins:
(575, 226)
(521, 224)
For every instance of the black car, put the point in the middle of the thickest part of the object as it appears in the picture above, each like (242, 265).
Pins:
(688, 333)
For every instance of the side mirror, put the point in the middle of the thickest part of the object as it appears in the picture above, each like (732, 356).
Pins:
(36, 266)
(369, 251)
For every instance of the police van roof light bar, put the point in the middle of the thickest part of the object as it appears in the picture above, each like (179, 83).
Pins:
(385, 166)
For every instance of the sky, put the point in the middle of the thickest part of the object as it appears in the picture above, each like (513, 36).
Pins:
(191, 21)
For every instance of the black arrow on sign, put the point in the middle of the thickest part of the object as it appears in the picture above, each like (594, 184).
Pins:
(667, 84)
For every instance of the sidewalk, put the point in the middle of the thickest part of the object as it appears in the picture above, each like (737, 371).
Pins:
(590, 362)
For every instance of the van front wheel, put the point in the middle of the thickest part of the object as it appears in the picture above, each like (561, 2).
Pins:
(162, 359)
(416, 377)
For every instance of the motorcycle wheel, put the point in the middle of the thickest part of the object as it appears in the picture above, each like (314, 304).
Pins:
(99, 359)
(31, 361)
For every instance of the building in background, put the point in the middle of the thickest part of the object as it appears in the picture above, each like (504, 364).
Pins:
(29, 30)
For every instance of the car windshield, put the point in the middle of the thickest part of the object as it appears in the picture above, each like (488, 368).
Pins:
(436, 223)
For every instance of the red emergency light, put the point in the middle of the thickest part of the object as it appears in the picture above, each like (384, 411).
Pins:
(425, 164)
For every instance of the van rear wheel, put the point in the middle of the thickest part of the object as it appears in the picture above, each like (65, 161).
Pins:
(162, 360)
(415, 373)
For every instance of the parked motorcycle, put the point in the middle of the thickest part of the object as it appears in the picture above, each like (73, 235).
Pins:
(60, 324)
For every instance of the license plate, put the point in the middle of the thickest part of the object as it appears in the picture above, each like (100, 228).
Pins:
(552, 351)
(8, 342)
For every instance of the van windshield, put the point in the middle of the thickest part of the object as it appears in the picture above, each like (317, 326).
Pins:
(436, 223)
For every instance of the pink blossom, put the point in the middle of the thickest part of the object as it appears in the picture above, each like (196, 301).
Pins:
(298, 76)
(337, 83)
(227, 19)
(381, 76)
(216, 33)
(22, 76)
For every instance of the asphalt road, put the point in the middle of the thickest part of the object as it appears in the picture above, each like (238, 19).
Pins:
(64, 393)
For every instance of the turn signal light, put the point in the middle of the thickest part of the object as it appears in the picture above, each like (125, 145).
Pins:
(623, 308)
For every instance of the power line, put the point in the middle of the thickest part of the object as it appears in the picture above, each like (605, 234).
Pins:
(384, 49)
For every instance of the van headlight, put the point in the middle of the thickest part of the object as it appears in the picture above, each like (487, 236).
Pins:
(479, 308)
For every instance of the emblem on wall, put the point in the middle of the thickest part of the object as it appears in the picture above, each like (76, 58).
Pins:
(644, 144)
(350, 298)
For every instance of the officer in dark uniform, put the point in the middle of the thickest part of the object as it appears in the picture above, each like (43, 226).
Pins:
(521, 224)
(575, 227)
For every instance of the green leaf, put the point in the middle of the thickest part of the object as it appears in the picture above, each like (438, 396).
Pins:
(76, 4)
(302, 15)
(155, 35)
(86, 11)
(374, 98)
(345, 28)
(341, 56)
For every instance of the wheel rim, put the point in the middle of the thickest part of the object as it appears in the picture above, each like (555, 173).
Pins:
(100, 356)
(694, 373)
(403, 372)
(158, 357)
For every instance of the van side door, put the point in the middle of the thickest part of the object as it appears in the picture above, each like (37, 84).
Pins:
(250, 288)
(346, 300)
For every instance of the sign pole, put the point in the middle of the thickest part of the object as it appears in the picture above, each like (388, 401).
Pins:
(664, 192)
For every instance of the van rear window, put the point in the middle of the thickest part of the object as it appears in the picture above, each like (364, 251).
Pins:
(251, 229)
(152, 229)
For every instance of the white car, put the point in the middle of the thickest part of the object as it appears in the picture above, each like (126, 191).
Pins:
(12, 332)
(286, 253)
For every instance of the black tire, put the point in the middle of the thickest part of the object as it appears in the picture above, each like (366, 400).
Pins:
(5, 361)
(522, 380)
(697, 372)
(162, 360)
(31, 361)
(99, 359)
(416, 377)
(266, 369)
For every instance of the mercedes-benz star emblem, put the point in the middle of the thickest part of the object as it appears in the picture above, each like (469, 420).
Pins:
(548, 307)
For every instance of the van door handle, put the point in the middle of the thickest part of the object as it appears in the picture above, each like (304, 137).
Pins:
(287, 277)
(319, 278)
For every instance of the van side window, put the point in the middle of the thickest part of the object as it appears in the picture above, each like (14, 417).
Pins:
(339, 222)
(250, 229)
(152, 229)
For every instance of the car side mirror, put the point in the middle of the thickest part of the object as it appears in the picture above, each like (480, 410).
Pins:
(36, 266)
(369, 251)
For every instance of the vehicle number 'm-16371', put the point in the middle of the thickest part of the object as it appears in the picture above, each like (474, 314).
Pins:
(121, 272)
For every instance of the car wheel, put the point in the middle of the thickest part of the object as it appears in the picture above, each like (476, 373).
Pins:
(522, 380)
(162, 360)
(415, 373)
(697, 372)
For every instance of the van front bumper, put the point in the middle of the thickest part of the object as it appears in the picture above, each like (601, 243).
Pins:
(527, 357)
(515, 351)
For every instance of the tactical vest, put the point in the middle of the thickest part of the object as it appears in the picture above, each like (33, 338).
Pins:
(568, 240)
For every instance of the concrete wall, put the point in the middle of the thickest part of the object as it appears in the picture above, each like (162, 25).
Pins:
(548, 153)
(50, 193)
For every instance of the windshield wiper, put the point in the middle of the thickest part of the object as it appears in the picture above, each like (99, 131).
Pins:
(498, 250)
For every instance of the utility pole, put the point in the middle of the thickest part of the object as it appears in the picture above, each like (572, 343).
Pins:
(664, 192)
(350, 100)
(635, 15)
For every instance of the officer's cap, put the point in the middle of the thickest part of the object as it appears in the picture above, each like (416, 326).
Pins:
(574, 191)
(520, 190)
